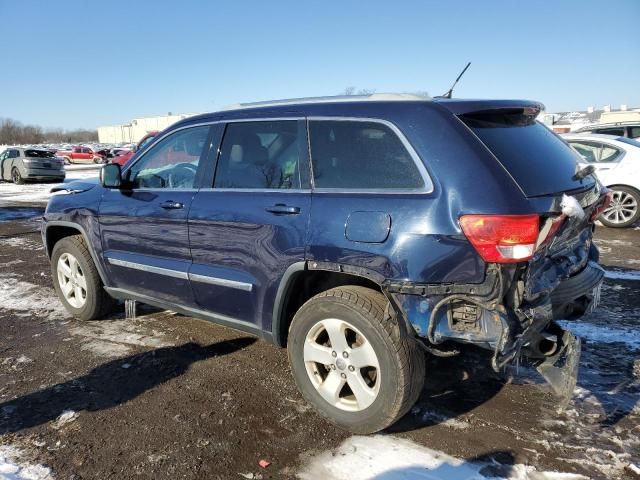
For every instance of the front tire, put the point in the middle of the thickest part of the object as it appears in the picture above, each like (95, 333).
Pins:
(624, 210)
(76, 280)
(352, 361)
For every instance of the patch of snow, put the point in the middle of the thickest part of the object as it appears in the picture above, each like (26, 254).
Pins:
(623, 274)
(28, 297)
(13, 468)
(10, 194)
(114, 338)
(65, 418)
(389, 458)
(600, 334)
(22, 243)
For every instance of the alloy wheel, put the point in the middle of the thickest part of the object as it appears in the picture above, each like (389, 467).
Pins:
(623, 207)
(342, 365)
(73, 283)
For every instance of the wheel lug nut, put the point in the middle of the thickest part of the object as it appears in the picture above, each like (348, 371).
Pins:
(345, 354)
(334, 354)
(333, 367)
(351, 368)
(343, 375)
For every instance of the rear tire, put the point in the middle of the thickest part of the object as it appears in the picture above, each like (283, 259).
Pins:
(624, 210)
(352, 361)
(16, 176)
(76, 280)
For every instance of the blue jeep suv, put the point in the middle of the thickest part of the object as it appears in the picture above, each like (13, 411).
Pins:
(360, 232)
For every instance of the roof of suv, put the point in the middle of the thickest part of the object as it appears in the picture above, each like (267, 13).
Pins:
(359, 105)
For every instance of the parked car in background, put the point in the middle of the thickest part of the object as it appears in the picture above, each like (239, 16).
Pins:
(116, 151)
(619, 129)
(125, 156)
(617, 163)
(361, 232)
(27, 164)
(78, 154)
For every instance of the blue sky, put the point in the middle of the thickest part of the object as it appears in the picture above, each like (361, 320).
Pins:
(73, 63)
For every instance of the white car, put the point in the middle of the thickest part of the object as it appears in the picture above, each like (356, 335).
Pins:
(617, 164)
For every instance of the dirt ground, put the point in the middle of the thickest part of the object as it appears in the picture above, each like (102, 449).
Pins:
(168, 396)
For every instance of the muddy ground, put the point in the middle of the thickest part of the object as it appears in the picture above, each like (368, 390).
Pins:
(168, 396)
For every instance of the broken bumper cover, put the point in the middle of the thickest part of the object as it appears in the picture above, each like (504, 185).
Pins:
(560, 369)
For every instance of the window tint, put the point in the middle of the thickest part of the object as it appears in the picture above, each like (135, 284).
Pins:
(360, 155)
(634, 132)
(260, 155)
(172, 163)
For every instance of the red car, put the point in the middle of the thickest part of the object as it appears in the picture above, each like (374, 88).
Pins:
(79, 154)
(124, 157)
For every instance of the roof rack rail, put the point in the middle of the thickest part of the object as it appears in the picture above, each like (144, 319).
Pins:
(390, 97)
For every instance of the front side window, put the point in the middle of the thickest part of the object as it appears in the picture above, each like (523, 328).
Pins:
(361, 155)
(261, 155)
(171, 163)
(634, 132)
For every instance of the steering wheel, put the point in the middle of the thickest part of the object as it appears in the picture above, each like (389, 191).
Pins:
(181, 172)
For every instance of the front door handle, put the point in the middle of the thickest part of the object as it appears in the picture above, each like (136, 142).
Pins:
(282, 209)
(171, 205)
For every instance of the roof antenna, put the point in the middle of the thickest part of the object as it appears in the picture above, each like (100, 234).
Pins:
(448, 94)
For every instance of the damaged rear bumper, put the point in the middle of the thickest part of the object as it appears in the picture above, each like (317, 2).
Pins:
(510, 314)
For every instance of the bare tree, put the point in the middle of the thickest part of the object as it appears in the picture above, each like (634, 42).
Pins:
(13, 132)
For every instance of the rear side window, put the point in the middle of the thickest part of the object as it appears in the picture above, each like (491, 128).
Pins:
(594, 152)
(537, 159)
(619, 132)
(262, 155)
(360, 155)
(634, 132)
(38, 153)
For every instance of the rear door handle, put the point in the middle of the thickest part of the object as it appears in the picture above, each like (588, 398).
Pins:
(281, 209)
(171, 205)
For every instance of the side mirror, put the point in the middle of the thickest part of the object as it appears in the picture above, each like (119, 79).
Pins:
(111, 176)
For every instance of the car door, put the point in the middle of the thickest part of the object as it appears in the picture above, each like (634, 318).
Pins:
(143, 225)
(251, 225)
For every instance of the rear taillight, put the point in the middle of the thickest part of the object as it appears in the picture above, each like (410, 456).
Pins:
(502, 238)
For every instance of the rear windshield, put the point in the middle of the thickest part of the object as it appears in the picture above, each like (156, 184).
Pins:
(539, 161)
(38, 153)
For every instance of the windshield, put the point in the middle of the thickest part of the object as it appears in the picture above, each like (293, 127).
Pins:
(538, 160)
(38, 154)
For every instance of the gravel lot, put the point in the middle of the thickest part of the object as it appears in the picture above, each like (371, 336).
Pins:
(169, 396)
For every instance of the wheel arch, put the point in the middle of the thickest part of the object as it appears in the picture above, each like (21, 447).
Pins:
(303, 280)
(55, 231)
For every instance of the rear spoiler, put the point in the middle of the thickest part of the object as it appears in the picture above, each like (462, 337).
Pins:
(462, 107)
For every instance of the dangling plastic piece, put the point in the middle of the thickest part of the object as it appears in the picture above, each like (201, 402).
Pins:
(130, 307)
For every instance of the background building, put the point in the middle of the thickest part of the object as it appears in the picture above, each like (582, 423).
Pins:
(138, 127)
(564, 122)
